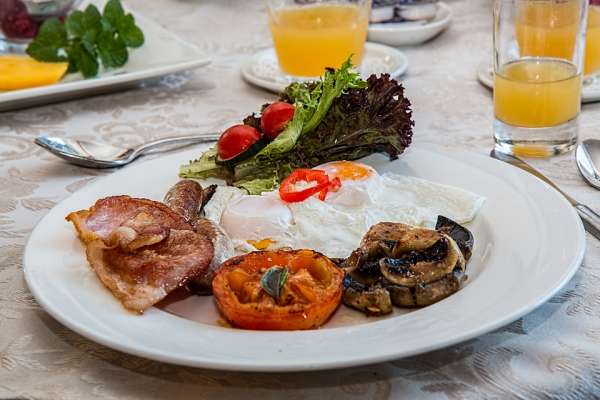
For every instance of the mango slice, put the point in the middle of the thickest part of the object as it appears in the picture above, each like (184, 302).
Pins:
(20, 72)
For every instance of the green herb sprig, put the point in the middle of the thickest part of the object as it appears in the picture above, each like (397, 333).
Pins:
(273, 280)
(87, 38)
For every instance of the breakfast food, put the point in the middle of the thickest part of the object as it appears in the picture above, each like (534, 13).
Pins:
(82, 41)
(188, 199)
(278, 290)
(390, 11)
(300, 216)
(340, 117)
(19, 72)
(406, 266)
(277, 245)
(140, 249)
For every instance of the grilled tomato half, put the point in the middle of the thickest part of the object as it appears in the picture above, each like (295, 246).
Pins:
(278, 290)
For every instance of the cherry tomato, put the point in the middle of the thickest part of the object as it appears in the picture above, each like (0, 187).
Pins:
(308, 297)
(236, 140)
(275, 117)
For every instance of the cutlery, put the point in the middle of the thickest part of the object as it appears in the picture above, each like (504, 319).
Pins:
(588, 157)
(591, 220)
(90, 154)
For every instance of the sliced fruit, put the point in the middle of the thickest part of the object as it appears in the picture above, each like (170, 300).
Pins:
(275, 118)
(239, 143)
(20, 72)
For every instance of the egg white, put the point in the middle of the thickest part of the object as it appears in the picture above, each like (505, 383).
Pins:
(335, 226)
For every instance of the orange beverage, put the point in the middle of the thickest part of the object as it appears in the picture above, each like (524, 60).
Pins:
(547, 28)
(592, 46)
(537, 93)
(310, 38)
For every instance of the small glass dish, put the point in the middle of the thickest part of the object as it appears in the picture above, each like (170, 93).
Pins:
(20, 20)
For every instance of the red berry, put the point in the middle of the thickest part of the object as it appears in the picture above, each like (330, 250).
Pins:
(17, 24)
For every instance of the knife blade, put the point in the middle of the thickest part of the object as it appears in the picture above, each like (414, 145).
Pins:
(590, 219)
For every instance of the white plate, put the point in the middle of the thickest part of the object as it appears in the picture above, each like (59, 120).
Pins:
(411, 33)
(262, 68)
(162, 53)
(590, 92)
(529, 243)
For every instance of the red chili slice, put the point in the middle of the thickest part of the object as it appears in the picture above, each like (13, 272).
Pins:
(322, 185)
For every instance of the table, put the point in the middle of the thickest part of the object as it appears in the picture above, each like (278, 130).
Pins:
(553, 352)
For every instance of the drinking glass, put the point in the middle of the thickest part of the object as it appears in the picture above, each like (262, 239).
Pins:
(20, 20)
(538, 64)
(592, 45)
(310, 36)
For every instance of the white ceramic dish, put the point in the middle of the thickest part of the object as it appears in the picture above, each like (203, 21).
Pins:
(590, 92)
(162, 53)
(529, 243)
(262, 68)
(411, 33)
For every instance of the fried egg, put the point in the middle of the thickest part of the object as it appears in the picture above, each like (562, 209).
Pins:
(336, 225)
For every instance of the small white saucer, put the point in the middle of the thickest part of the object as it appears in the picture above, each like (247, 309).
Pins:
(590, 92)
(262, 68)
(411, 33)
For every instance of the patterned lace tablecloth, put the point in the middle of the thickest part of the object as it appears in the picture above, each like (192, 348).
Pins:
(553, 352)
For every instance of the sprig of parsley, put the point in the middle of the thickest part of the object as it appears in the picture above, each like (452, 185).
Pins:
(87, 38)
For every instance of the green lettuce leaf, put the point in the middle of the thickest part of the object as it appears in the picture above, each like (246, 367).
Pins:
(311, 100)
(376, 119)
(340, 117)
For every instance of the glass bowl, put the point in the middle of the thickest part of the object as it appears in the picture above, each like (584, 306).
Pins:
(20, 20)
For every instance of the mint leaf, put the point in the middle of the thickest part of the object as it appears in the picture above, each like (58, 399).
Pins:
(84, 23)
(85, 62)
(113, 12)
(92, 15)
(75, 24)
(112, 50)
(50, 40)
(87, 38)
(129, 32)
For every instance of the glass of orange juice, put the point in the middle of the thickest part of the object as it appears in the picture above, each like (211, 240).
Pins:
(592, 41)
(310, 36)
(538, 64)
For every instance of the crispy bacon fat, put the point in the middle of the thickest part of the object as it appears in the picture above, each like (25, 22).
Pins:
(140, 249)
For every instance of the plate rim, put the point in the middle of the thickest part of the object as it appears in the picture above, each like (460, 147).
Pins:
(570, 270)
(274, 87)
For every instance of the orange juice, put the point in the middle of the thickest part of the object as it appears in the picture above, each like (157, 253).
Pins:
(537, 93)
(547, 28)
(308, 39)
(592, 46)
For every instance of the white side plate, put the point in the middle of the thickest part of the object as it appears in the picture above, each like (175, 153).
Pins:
(411, 33)
(590, 92)
(262, 68)
(162, 53)
(528, 243)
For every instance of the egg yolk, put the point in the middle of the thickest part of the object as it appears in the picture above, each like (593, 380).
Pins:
(348, 170)
(261, 244)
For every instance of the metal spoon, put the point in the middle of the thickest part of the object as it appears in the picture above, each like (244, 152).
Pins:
(591, 219)
(588, 157)
(99, 155)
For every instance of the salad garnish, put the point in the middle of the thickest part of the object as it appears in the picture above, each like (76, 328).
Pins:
(339, 117)
(86, 36)
(273, 280)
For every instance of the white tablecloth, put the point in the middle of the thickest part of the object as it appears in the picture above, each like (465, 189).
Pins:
(553, 352)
